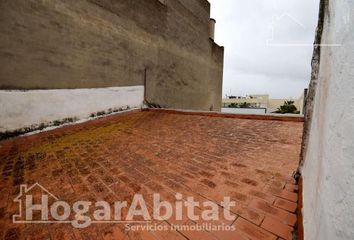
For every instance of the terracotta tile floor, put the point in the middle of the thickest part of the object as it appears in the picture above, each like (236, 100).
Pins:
(110, 159)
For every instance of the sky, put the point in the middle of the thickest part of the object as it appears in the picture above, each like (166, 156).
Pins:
(268, 45)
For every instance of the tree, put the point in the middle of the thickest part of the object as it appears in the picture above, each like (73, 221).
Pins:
(288, 107)
(233, 105)
(245, 105)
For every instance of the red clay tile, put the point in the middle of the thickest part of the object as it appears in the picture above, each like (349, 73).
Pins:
(249, 214)
(274, 226)
(283, 216)
(262, 195)
(167, 235)
(142, 235)
(114, 232)
(229, 235)
(291, 196)
(291, 219)
(291, 180)
(285, 204)
(154, 152)
(252, 231)
(291, 187)
(196, 235)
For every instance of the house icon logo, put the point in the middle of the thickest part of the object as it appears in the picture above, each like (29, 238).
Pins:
(285, 30)
(279, 31)
(31, 200)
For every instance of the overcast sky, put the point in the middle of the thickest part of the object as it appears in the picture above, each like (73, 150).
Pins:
(267, 45)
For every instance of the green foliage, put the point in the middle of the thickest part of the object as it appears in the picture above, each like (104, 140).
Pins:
(288, 107)
(245, 105)
(240, 105)
(234, 105)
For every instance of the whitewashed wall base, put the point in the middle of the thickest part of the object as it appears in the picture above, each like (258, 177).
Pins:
(20, 109)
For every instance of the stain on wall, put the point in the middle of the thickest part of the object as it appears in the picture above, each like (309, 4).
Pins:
(64, 44)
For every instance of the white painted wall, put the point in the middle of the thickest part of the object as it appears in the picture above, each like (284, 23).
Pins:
(24, 108)
(328, 172)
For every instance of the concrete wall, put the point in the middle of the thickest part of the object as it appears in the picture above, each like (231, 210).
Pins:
(328, 167)
(64, 44)
(29, 108)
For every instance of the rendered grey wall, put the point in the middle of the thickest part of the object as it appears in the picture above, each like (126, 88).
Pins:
(328, 167)
(64, 44)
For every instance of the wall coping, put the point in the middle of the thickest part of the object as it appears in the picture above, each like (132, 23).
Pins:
(271, 117)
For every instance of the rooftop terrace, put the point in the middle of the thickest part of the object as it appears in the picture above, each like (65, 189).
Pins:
(207, 156)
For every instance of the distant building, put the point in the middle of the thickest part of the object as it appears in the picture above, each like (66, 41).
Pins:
(261, 101)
